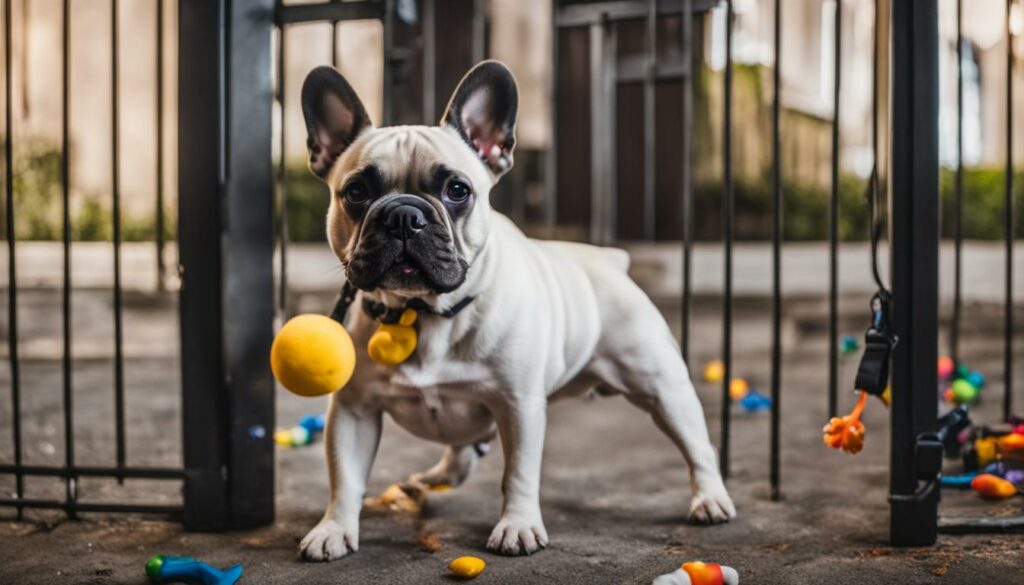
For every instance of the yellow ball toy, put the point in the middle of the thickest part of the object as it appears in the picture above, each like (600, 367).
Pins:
(714, 371)
(312, 355)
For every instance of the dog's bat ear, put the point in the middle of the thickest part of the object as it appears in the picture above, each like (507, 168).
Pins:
(483, 111)
(334, 117)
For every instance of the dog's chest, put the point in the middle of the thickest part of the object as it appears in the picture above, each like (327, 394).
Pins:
(439, 402)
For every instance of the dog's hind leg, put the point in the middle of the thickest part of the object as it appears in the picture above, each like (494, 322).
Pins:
(658, 383)
(638, 357)
(455, 465)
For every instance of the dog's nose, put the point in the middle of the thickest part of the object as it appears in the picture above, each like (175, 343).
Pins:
(405, 221)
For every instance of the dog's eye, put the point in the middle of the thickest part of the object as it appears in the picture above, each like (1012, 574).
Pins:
(457, 191)
(356, 192)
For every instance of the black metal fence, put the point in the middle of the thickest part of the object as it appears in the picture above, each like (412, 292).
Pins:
(912, 28)
(71, 472)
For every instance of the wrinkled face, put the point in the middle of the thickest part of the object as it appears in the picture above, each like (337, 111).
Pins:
(409, 208)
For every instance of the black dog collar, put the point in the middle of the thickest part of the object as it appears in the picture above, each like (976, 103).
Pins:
(390, 315)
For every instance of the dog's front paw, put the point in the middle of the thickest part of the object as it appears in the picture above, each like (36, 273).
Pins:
(518, 535)
(330, 540)
(712, 506)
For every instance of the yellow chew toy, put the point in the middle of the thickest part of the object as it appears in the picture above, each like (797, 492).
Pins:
(393, 343)
(467, 567)
(312, 355)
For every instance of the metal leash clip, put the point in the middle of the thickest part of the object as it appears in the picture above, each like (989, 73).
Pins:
(879, 341)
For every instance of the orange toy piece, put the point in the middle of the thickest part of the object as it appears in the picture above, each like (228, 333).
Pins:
(703, 573)
(847, 432)
(992, 487)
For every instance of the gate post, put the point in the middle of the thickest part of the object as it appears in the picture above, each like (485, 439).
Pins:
(226, 249)
(914, 464)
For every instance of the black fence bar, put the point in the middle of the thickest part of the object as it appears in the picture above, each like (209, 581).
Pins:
(649, 98)
(776, 383)
(958, 193)
(227, 307)
(65, 166)
(12, 283)
(161, 269)
(282, 178)
(429, 20)
(728, 203)
(127, 472)
(115, 181)
(603, 171)
(334, 45)
(550, 205)
(587, 13)
(388, 93)
(74, 507)
(833, 221)
(329, 11)
(687, 161)
(913, 495)
(1009, 223)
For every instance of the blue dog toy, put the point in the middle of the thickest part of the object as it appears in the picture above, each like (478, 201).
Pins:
(755, 401)
(168, 568)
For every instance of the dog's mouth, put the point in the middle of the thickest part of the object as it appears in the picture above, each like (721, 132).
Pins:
(405, 266)
(425, 264)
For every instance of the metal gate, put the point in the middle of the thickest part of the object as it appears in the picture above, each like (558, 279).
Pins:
(906, 47)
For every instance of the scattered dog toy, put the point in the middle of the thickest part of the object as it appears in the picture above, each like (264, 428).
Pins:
(698, 573)
(961, 481)
(312, 355)
(714, 371)
(296, 436)
(993, 487)
(467, 567)
(848, 345)
(946, 367)
(963, 392)
(738, 388)
(965, 385)
(168, 569)
(754, 401)
(301, 434)
(847, 432)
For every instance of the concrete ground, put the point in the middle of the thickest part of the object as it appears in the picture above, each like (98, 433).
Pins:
(614, 492)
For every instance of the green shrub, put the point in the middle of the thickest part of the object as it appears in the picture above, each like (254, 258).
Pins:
(38, 204)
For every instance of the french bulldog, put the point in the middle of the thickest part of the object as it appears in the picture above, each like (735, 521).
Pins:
(506, 324)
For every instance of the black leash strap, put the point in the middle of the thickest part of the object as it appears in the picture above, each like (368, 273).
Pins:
(879, 340)
(345, 299)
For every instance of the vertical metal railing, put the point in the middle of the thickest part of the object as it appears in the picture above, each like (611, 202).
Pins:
(958, 193)
(65, 166)
(12, 288)
(282, 177)
(1010, 223)
(70, 472)
(833, 219)
(728, 218)
(687, 164)
(115, 181)
(650, 70)
(160, 221)
(915, 457)
(777, 236)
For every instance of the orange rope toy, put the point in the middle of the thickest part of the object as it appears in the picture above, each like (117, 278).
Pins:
(847, 432)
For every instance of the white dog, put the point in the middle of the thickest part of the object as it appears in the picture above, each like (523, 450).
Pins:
(505, 323)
